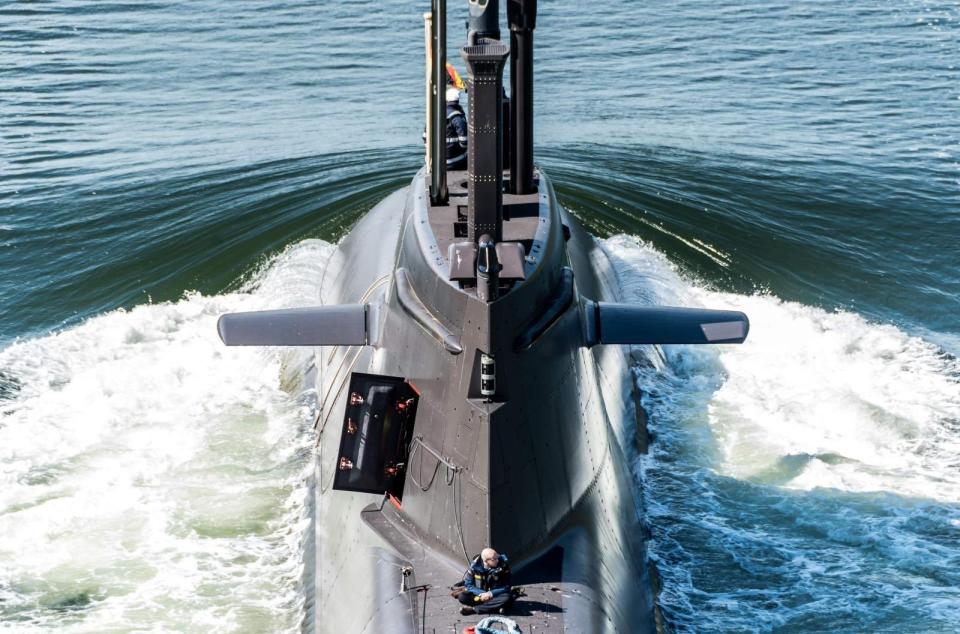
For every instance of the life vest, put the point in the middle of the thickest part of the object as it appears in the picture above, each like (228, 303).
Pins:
(486, 579)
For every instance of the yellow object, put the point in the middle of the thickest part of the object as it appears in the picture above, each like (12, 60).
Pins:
(457, 81)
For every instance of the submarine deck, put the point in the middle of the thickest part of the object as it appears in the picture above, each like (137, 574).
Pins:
(432, 607)
(522, 215)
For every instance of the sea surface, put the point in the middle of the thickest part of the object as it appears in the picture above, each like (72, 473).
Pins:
(163, 162)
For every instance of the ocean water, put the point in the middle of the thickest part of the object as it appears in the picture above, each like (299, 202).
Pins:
(162, 162)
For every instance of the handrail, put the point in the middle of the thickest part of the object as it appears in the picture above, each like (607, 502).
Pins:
(418, 440)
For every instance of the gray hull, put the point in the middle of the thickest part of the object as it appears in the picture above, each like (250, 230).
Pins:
(539, 473)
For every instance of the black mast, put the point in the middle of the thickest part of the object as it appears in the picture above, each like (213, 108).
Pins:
(522, 16)
(484, 21)
(438, 154)
(485, 63)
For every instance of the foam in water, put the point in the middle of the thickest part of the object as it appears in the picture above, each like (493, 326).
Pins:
(871, 406)
(153, 478)
(805, 480)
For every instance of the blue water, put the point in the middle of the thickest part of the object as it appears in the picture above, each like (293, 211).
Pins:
(800, 161)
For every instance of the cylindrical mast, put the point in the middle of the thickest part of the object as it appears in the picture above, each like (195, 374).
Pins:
(484, 21)
(522, 16)
(438, 169)
(428, 85)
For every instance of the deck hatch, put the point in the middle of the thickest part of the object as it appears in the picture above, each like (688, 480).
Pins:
(375, 438)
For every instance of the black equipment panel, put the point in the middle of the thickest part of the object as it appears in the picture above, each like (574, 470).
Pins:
(376, 434)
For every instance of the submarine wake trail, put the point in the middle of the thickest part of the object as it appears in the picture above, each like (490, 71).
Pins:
(152, 479)
(805, 481)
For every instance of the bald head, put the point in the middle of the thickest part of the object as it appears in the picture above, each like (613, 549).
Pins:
(490, 557)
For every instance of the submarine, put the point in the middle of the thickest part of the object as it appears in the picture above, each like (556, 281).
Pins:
(470, 364)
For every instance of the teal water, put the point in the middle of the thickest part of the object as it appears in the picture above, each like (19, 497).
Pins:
(798, 160)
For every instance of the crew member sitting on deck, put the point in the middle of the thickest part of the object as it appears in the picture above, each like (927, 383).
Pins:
(486, 584)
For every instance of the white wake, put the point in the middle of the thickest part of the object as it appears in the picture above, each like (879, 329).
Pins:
(150, 477)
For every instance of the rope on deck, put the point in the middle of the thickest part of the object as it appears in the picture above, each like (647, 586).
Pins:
(486, 626)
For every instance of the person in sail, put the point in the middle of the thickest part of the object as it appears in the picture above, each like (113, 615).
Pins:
(456, 122)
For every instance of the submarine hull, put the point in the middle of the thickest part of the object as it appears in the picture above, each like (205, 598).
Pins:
(536, 471)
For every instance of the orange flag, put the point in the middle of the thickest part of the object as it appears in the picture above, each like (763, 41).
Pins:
(455, 78)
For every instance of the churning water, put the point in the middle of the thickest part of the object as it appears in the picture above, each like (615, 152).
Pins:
(808, 480)
(163, 162)
(151, 477)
